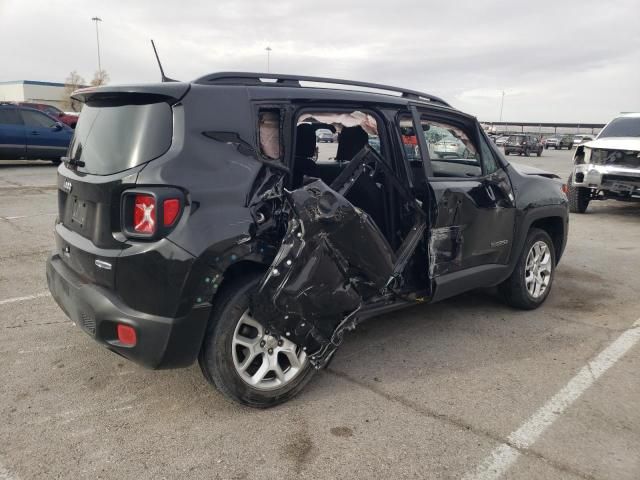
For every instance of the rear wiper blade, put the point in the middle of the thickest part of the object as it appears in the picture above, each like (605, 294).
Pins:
(72, 162)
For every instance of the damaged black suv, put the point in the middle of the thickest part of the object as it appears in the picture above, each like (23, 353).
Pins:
(204, 221)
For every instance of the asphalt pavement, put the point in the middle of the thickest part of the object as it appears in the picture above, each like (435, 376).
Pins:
(467, 388)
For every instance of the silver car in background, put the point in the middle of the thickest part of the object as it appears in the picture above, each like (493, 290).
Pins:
(324, 135)
(580, 139)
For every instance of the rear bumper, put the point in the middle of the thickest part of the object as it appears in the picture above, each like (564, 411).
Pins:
(162, 342)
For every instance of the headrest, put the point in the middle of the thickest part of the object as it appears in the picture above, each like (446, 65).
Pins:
(305, 140)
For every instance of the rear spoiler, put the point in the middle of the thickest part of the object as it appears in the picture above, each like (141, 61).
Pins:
(168, 91)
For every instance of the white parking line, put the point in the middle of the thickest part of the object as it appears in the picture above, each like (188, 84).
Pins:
(24, 299)
(505, 455)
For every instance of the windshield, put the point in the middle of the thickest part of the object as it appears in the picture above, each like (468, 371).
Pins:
(110, 139)
(515, 139)
(622, 127)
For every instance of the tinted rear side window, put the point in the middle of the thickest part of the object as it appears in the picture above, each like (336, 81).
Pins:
(110, 139)
(9, 116)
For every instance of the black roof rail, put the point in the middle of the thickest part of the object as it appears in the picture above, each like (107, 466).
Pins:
(253, 78)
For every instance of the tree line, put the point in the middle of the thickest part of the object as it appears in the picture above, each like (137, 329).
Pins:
(75, 81)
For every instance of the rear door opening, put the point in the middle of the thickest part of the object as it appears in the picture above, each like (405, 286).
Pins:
(334, 259)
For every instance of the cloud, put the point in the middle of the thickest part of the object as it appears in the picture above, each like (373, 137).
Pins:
(557, 61)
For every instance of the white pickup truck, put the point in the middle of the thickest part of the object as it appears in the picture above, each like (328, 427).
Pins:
(609, 166)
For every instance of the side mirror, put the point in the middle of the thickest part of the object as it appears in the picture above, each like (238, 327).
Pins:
(57, 126)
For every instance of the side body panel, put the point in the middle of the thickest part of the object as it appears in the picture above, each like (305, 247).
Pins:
(474, 223)
(537, 198)
(12, 136)
(45, 142)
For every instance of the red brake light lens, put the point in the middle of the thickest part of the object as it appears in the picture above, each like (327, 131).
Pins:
(127, 335)
(170, 211)
(144, 214)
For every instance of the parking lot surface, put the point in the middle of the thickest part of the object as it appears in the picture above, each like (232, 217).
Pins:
(464, 388)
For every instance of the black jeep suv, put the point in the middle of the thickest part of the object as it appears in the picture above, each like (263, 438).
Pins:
(203, 221)
(523, 145)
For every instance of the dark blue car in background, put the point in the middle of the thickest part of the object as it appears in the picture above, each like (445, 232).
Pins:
(28, 134)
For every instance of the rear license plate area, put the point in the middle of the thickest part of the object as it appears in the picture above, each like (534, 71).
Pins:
(78, 211)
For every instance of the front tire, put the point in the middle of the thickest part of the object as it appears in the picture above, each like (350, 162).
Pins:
(530, 283)
(242, 360)
(579, 197)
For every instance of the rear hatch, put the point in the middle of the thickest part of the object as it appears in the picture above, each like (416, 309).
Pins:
(119, 131)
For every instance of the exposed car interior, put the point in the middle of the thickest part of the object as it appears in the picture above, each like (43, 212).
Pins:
(451, 152)
(359, 155)
(327, 160)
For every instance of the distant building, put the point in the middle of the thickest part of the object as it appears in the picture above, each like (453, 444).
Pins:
(32, 91)
(542, 128)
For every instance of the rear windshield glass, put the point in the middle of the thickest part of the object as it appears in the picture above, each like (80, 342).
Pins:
(515, 138)
(110, 139)
(622, 127)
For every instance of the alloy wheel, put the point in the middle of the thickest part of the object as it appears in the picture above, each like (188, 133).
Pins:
(264, 360)
(538, 267)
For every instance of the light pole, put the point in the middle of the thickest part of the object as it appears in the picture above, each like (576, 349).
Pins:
(268, 49)
(501, 106)
(98, 19)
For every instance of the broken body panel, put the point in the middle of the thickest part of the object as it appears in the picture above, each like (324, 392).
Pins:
(333, 261)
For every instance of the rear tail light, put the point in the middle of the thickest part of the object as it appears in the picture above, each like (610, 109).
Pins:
(171, 209)
(127, 335)
(565, 188)
(144, 214)
(151, 213)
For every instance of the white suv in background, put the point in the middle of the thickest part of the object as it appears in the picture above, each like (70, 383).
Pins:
(609, 166)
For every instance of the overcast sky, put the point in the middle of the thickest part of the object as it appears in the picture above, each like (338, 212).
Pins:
(572, 60)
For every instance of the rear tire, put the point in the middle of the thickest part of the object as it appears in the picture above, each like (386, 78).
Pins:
(539, 152)
(519, 290)
(217, 359)
(579, 197)
(56, 162)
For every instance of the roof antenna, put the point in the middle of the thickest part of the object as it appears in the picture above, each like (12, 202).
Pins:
(162, 75)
